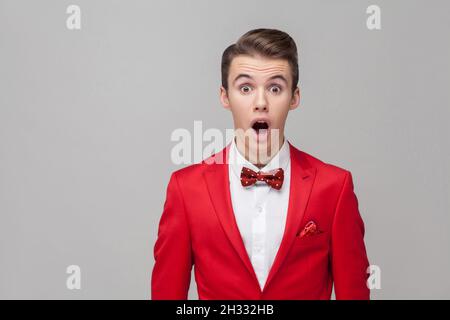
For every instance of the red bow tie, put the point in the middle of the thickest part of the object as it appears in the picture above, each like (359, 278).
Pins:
(273, 178)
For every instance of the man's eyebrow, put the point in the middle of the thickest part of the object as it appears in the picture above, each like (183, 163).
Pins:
(243, 75)
(279, 76)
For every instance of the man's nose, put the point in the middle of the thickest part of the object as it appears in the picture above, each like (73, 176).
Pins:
(261, 101)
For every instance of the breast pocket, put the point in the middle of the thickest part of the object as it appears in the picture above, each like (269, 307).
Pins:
(319, 240)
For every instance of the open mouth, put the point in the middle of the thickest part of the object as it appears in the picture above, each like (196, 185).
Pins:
(260, 126)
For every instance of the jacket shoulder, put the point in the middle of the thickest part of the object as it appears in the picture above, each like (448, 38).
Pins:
(196, 170)
(324, 168)
(190, 171)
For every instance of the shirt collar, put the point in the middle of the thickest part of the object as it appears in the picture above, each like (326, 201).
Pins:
(237, 160)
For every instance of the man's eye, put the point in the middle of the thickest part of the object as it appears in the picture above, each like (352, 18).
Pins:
(245, 89)
(275, 89)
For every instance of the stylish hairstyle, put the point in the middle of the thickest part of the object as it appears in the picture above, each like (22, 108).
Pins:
(268, 43)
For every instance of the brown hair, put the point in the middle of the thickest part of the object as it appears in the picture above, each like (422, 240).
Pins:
(268, 43)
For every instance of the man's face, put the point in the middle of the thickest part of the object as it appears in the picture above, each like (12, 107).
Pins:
(259, 97)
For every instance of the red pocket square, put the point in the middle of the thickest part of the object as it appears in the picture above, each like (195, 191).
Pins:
(310, 229)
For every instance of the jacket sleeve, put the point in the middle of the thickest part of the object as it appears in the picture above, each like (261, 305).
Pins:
(171, 273)
(349, 261)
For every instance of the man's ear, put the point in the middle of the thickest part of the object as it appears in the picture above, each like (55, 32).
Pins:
(295, 101)
(224, 98)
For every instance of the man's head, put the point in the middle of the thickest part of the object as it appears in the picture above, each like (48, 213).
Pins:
(259, 86)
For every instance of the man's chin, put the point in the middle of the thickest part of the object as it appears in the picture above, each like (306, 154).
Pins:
(262, 145)
(260, 142)
(261, 138)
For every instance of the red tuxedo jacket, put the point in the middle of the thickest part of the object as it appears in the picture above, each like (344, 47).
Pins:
(198, 227)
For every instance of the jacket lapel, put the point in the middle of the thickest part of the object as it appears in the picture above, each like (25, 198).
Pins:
(302, 179)
(217, 180)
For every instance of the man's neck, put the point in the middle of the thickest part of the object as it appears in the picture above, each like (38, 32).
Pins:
(253, 157)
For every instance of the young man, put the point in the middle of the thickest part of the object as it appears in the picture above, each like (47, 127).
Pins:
(278, 224)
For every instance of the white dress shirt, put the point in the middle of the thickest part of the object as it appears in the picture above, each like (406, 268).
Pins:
(260, 210)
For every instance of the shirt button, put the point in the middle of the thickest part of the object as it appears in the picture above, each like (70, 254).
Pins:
(259, 208)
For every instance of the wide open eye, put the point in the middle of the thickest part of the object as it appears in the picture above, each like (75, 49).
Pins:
(275, 89)
(245, 89)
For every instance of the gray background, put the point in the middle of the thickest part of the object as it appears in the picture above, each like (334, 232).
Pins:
(86, 118)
